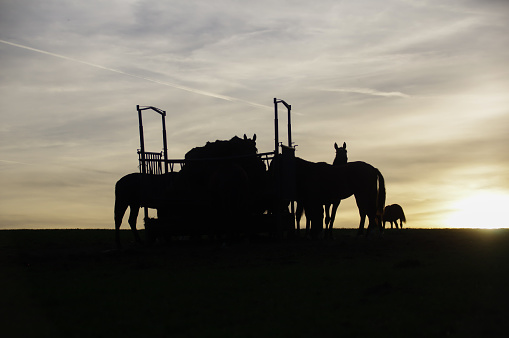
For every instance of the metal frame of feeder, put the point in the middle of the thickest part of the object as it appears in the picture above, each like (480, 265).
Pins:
(154, 159)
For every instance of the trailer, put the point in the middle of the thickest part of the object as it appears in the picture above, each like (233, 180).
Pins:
(283, 189)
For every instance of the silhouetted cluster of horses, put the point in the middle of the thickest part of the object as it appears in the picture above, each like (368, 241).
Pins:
(225, 188)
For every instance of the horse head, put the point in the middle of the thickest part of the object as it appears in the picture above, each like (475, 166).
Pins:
(341, 156)
(251, 144)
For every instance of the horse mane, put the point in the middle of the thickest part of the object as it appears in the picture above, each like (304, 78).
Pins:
(224, 149)
(203, 162)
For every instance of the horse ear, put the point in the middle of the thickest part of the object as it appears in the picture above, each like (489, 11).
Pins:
(344, 145)
(254, 137)
(245, 137)
(335, 146)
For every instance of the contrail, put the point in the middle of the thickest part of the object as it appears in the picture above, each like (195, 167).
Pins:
(14, 162)
(169, 84)
(367, 91)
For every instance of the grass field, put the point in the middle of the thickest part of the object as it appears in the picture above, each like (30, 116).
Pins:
(409, 283)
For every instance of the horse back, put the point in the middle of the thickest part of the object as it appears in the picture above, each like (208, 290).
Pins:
(128, 186)
(145, 189)
(353, 175)
(321, 181)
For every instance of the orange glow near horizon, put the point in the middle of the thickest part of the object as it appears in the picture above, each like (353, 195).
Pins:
(484, 210)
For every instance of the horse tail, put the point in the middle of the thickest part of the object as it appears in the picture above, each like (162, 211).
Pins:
(381, 193)
(127, 191)
(403, 218)
(299, 211)
(120, 204)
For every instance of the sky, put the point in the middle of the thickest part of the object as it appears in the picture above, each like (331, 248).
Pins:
(418, 89)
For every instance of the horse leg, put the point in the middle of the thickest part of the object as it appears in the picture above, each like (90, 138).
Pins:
(298, 216)
(316, 219)
(378, 219)
(361, 225)
(319, 216)
(361, 205)
(335, 206)
(373, 222)
(133, 216)
(327, 215)
(119, 211)
(370, 225)
(328, 228)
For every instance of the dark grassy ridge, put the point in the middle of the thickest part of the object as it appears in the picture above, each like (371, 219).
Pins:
(410, 283)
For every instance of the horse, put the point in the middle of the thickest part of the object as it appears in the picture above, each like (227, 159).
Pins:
(341, 158)
(224, 180)
(230, 199)
(393, 213)
(300, 210)
(140, 190)
(319, 184)
(214, 209)
(212, 174)
(201, 162)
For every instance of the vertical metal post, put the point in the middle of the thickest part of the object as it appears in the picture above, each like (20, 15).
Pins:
(142, 149)
(276, 151)
(165, 144)
(292, 204)
(289, 126)
(276, 129)
(142, 140)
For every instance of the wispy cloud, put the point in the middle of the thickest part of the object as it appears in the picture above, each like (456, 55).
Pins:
(165, 83)
(14, 162)
(367, 91)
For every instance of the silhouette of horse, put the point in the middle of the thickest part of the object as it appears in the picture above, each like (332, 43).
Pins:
(341, 158)
(321, 184)
(202, 162)
(218, 179)
(230, 198)
(224, 180)
(319, 213)
(393, 213)
(140, 190)
(219, 207)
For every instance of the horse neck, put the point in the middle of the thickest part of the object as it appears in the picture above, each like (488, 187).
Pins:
(339, 160)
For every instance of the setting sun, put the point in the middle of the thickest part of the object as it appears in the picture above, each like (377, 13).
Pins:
(483, 210)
